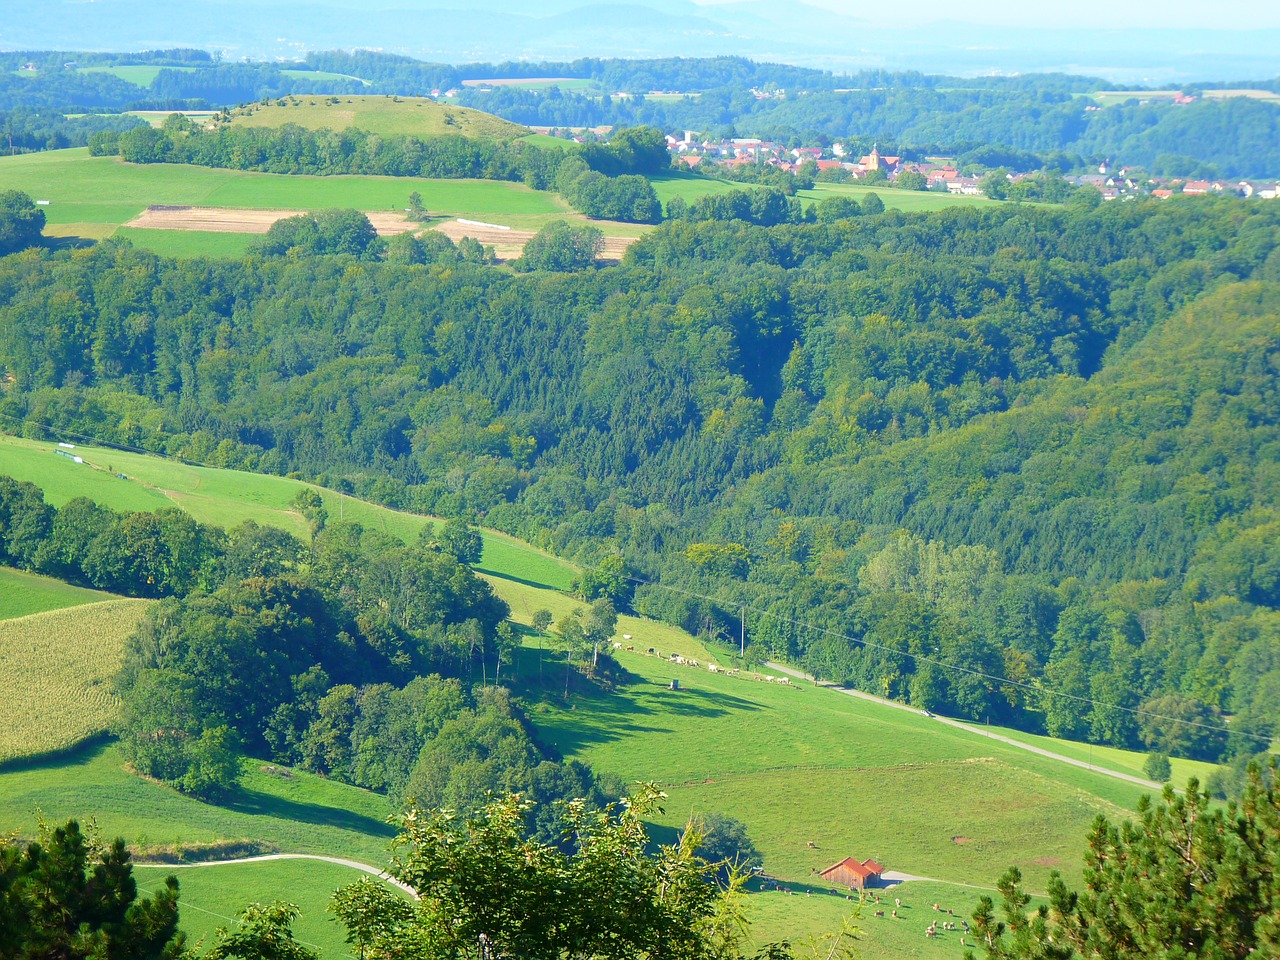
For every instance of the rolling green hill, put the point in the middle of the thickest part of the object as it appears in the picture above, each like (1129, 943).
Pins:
(226, 498)
(384, 115)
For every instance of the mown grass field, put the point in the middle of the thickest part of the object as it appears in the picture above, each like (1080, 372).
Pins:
(211, 895)
(56, 670)
(383, 115)
(22, 594)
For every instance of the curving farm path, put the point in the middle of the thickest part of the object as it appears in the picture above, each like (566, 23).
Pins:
(354, 864)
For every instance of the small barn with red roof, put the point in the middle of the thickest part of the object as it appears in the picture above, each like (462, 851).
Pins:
(853, 873)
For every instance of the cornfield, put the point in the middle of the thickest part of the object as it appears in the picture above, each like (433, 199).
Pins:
(55, 674)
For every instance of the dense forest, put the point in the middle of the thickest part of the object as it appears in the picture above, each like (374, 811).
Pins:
(1015, 463)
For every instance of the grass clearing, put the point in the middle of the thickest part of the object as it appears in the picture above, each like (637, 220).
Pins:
(22, 594)
(56, 670)
(289, 811)
(211, 896)
(381, 114)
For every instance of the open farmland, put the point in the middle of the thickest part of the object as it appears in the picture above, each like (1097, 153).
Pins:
(56, 670)
(95, 197)
(383, 115)
(22, 594)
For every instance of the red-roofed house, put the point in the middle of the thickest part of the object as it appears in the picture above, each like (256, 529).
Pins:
(853, 873)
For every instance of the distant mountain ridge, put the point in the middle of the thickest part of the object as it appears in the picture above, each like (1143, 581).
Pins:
(796, 33)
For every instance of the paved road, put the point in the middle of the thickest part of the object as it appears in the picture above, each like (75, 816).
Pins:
(354, 864)
(977, 731)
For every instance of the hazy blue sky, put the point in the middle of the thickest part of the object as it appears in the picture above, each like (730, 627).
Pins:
(1224, 15)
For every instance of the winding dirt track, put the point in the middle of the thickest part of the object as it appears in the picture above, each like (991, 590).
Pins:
(354, 864)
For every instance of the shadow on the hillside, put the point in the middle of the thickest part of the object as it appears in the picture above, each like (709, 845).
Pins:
(265, 805)
(82, 754)
(490, 572)
(68, 243)
(608, 717)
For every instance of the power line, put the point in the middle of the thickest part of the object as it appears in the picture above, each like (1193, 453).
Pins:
(947, 665)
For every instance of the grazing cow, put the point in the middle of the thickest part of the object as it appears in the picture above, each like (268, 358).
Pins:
(879, 913)
(812, 845)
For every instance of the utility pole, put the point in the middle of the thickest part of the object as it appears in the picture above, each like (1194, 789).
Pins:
(742, 637)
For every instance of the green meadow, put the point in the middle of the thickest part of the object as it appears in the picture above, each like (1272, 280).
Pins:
(211, 895)
(22, 594)
(93, 196)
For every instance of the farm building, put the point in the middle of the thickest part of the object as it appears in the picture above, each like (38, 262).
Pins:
(853, 873)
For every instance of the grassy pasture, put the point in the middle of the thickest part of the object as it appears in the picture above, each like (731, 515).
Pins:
(227, 498)
(210, 896)
(800, 763)
(22, 594)
(384, 115)
(56, 670)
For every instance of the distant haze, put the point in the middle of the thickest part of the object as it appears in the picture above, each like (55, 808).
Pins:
(1174, 43)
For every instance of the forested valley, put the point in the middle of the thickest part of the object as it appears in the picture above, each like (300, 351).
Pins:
(1016, 464)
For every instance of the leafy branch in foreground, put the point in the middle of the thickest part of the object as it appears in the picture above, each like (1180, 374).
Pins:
(1185, 880)
(489, 891)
